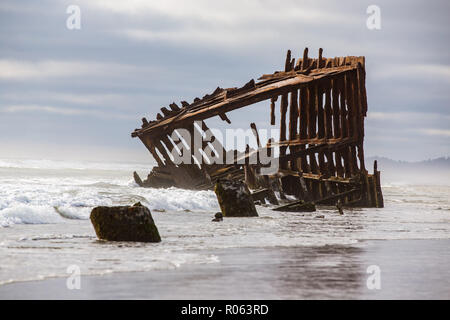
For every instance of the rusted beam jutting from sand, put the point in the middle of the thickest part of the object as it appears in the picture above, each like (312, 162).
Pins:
(202, 130)
(299, 142)
(345, 153)
(211, 140)
(169, 146)
(305, 60)
(312, 161)
(293, 126)
(328, 123)
(283, 110)
(195, 154)
(362, 80)
(345, 118)
(320, 111)
(312, 133)
(317, 148)
(174, 107)
(350, 121)
(320, 60)
(287, 64)
(331, 169)
(249, 173)
(379, 194)
(338, 163)
(303, 128)
(165, 112)
(328, 116)
(150, 147)
(159, 145)
(360, 150)
(357, 123)
(256, 134)
(312, 116)
(272, 110)
(224, 117)
(361, 114)
(320, 130)
(343, 107)
(335, 90)
(350, 82)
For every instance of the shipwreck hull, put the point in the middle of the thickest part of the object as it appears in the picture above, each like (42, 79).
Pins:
(322, 105)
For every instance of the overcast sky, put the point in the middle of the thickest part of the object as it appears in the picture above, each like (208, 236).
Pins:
(80, 93)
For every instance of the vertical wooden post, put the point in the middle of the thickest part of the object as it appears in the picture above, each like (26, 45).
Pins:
(272, 110)
(320, 60)
(303, 112)
(283, 110)
(293, 118)
(305, 61)
(249, 173)
(312, 90)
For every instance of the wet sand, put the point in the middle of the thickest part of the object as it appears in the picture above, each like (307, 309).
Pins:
(410, 269)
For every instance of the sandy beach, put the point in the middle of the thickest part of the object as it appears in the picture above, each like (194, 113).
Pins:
(410, 269)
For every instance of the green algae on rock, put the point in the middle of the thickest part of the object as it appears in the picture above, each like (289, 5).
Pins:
(125, 223)
(235, 199)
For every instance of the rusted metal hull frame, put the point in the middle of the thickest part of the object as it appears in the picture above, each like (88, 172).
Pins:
(323, 103)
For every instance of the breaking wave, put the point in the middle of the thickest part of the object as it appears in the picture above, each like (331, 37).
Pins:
(40, 196)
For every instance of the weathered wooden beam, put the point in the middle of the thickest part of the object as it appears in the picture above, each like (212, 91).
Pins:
(174, 107)
(272, 110)
(336, 108)
(312, 95)
(283, 110)
(307, 141)
(249, 173)
(165, 111)
(263, 194)
(224, 117)
(337, 196)
(250, 97)
(293, 119)
(320, 60)
(256, 134)
(305, 60)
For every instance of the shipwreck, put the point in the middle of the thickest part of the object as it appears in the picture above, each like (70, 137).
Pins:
(322, 105)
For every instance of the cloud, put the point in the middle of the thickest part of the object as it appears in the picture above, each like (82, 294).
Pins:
(62, 111)
(132, 57)
(418, 70)
(11, 69)
(406, 116)
(436, 132)
(118, 101)
(224, 23)
(228, 12)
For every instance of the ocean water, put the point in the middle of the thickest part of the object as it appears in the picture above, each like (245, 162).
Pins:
(45, 227)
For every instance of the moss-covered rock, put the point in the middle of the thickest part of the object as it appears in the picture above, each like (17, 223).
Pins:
(235, 199)
(125, 223)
